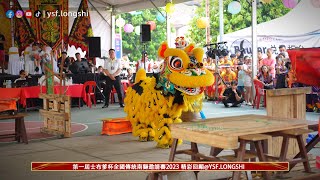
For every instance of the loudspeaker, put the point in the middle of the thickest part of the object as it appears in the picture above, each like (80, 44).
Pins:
(145, 32)
(94, 47)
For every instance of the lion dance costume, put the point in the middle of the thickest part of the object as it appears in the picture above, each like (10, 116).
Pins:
(152, 105)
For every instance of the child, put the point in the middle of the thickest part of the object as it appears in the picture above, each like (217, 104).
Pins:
(35, 57)
(241, 78)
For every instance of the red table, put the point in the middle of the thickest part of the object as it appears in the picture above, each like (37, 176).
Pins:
(24, 93)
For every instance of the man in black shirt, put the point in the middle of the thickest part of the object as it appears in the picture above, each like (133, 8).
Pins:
(66, 62)
(80, 66)
(2, 55)
(232, 95)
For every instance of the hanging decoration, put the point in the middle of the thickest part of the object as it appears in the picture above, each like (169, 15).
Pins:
(169, 8)
(152, 25)
(202, 22)
(315, 3)
(137, 30)
(290, 3)
(160, 18)
(81, 29)
(128, 28)
(51, 31)
(120, 22)
(234, 7)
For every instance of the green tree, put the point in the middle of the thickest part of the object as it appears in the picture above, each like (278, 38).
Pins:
(265, 12)
(131, 41)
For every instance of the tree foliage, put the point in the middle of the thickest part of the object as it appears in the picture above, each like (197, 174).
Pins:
(265, 12)
(131, 41)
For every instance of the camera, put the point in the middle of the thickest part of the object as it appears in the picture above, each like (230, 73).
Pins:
(217, 49)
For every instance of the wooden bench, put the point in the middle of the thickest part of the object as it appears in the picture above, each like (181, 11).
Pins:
(257, 140)
(20, 129)
(312, 126)
(298, 135)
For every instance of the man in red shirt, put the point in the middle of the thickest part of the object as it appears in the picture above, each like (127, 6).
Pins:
(269, 62)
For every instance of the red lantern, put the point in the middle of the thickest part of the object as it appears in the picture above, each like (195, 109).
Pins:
(152, 25)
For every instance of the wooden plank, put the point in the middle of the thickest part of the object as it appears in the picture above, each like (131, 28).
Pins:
(19, 115)
(288, 91)
(242, 126)
(209, 139)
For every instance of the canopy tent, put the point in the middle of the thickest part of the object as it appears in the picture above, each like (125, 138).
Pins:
(298, 28)
(101, 12)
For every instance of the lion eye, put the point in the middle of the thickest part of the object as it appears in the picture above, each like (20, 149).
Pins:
(176, 63)
(200, 65)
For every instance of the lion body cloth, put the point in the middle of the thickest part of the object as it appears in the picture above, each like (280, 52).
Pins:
(153, 104)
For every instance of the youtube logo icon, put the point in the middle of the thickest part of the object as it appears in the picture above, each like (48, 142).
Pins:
(28, 14)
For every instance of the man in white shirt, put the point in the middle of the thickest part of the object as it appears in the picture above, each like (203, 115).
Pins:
(112, 70)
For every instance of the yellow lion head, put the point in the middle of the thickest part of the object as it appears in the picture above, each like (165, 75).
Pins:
(184, 68)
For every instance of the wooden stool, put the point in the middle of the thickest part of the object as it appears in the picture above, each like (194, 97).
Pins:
(257, 139)
(20, 128)
(297, 134)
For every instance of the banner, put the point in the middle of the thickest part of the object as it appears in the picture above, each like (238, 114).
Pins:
(81, 28)
(118, 46)
(159, 166)
(52, 24)
(306, 64)
(23, 34)
(5, 28)
(308, 40)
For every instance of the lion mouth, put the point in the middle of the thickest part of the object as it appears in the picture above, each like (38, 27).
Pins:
(190, 91)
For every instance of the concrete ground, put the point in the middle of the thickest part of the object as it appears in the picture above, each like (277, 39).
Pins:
(89, 145)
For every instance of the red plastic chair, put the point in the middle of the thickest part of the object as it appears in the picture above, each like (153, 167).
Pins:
(260, 91)
(112, 98)
(125, 84)
(91, 92)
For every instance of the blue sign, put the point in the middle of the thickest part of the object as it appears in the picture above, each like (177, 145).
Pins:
(118, 46)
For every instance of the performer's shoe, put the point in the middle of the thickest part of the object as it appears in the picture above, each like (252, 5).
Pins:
(121, 105)
(105, 106)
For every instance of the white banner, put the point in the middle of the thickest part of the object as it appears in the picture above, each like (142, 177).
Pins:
(235, 43)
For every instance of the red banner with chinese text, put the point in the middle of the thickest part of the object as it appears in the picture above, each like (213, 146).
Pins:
(159, 166)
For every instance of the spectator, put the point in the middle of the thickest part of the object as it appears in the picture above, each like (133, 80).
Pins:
(226, 62)
(228, 75)
(281, 71)
(241, 79)
(144, 64)
(248, 80)
(265, 77)
(260, 58)
(283, 49)
(232, 95)
(66, 63)
(34, 55)
(234, 60)
(23, 76)
(80, 65)
(269, 62)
